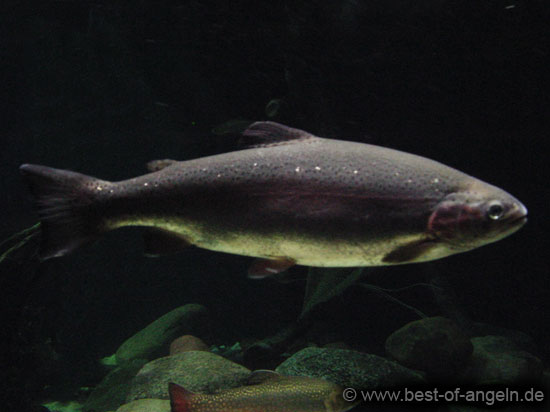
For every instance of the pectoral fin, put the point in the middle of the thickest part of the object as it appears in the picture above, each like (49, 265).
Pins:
(262, 268)
(410, 252)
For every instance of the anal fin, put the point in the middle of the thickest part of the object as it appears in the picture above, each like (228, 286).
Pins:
(262, 268)
(159, 242)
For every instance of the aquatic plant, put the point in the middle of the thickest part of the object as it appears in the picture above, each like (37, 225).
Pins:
(18, 240)
(325, 283)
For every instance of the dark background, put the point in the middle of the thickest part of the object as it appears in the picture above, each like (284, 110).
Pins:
(104, 87)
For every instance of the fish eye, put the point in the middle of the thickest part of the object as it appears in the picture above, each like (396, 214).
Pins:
(495, 210)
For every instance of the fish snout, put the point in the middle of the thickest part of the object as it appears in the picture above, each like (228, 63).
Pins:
(519, 212)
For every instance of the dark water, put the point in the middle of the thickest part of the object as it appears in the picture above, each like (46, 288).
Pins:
(103, 88)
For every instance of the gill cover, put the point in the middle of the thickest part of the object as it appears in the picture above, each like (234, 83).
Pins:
(454, 218)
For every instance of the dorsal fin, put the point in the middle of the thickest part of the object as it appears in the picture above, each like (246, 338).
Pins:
(266, 134)
(156, 165)
(262, 375)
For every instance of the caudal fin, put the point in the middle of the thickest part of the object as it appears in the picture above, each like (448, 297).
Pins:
(65, 203)
(180, 398)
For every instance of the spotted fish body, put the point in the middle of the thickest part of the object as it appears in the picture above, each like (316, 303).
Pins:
(276, 394)
(293, 198)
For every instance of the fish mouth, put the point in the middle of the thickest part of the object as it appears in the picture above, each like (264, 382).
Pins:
(517, 218)
(514, 225)
(518, 221)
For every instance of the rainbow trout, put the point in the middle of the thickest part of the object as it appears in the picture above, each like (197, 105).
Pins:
(275, 393)
(291, 198)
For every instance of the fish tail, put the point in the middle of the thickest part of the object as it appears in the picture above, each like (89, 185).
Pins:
(65, 201)
(180, 398)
